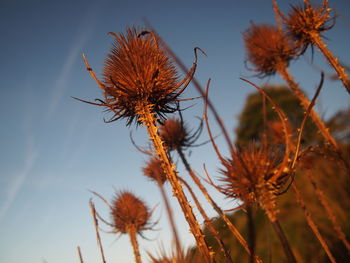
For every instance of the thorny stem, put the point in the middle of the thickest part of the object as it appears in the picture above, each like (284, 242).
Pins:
(93, 212)
(80, 256)
(135, 245)
(284, 241)
(149, 120)
(311, 223)
(330, 213)
(172, 222)
(218, 210)
(332, 60)
(208, 223)
(304, 101)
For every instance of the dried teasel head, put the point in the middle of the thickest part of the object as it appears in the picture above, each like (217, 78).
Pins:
(138, 70)
(154, 171)
(129, 213)
(247, 174)
(175, 134)
(305, 21)
(267, 48)
(139, 74)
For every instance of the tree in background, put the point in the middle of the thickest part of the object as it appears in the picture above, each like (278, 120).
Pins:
(251, 118)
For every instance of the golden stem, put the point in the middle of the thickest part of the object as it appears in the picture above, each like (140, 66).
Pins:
(93, 212)
(135, 245)
(149, 120)
(304, 101)
(332, 60)
(208, 223)
(172, 222)
(210, 200)
(311, 223)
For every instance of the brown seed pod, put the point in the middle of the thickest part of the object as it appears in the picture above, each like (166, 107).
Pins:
(268, 48)
(154, 171)
(129, 213)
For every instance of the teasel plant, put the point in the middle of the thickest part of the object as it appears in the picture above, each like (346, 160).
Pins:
(257, 174)
(290, 170)
(141, 83)
(129, 215)
(202, 93)
(270, 50)
(155, 172)
(178, 138)
(306, 24)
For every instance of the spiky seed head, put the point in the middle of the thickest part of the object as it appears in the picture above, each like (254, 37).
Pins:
(174, 133)
(267, 48)
(154, 171)
(136, 70)
(304, 22)
(246, 176)
(129, 213)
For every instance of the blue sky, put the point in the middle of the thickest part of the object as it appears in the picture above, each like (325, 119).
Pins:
(54, 149)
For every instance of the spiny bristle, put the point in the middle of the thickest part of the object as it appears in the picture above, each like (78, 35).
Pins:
(267, 48)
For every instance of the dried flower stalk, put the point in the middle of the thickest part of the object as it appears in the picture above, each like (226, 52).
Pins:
(93, 212)
(155, 172)
(177, 137)
(270, 51)
(80, 256)
(306, 23)
(141, 83)
(208, 223)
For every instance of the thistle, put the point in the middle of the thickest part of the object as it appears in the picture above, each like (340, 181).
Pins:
(141, 83)
(176, 135)
(154, 171)
(270, 51)
(246, 177)
(306, 24)
(129, 215)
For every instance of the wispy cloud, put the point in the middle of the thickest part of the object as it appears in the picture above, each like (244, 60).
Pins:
(60, 84)
(20, 178)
